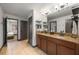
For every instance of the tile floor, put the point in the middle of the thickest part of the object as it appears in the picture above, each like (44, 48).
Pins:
(3, 51)
(22, 48)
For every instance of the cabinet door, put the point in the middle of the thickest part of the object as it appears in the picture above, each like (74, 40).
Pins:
(77, 49)
(62, 50)
(38, 42)
(43, 44)
(51, 48)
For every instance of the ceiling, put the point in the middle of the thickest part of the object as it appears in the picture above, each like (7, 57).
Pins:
(63, 12)
(22, 9)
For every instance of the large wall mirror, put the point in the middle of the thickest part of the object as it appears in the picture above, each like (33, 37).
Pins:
(66, 24)
(69, 26)
(53, 26)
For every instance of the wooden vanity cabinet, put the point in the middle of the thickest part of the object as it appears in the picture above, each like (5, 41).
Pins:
(56, 46)
(41, 42)
(65, 48)
(51, 48)
(77, 49)
(62, 50)
(38, 41)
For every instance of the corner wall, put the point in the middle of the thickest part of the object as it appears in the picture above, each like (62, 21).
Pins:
(1, 27)
(36, 16)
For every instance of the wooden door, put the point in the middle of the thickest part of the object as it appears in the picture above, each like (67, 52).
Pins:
(23, 30)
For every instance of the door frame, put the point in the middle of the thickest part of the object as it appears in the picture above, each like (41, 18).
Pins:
(29, 37)
(6, 27)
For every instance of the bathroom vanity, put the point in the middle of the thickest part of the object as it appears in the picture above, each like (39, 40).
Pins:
(63, 24)
(54, 44)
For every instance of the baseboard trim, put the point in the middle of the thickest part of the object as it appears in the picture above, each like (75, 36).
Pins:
(18, 39)
(1, 47)
(34, 46)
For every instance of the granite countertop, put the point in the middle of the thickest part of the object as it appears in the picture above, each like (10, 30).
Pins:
(57, 36)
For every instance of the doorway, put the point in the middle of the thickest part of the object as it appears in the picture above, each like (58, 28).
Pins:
(23, 28)
(11, 30)
(30, 28)
(8, 34)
